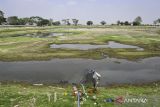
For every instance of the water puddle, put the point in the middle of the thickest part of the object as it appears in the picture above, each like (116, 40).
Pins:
(46, 35)
(110, 44)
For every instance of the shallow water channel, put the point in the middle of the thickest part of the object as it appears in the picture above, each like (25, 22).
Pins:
(110, 44)
(46, 35)
(73, 70)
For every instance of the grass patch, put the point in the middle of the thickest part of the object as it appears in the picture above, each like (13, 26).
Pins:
(14, 46)
(25, 95)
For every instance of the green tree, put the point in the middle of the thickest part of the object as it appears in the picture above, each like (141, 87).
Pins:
(75, 21)
(36, 19)
(21, 21)
(89, 23)
(126, 23)
(1, 14)
(137, 21)
(157, 21)
(57, 23)
(44, 22)
(2, 19)
(118, 22)
(12, 20)
(103, 22)
(50, 22)
(66, 21)
(28, 21)
(121, 23)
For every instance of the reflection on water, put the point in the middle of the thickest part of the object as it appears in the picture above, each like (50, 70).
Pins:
(110, 44)
(73, 70)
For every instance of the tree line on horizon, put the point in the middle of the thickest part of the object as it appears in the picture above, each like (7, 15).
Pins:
(39, 21)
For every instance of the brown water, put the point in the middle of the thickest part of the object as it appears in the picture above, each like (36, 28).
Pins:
(73, 70)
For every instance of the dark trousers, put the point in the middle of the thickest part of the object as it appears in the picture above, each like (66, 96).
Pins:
(94, 83)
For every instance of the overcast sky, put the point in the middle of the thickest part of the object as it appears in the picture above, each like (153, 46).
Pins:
(95, 10)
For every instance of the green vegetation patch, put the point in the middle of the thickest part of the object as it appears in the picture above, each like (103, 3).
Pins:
(25, 95)
(14, 46)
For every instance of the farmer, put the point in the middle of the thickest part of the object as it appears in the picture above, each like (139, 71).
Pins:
(95, 78)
